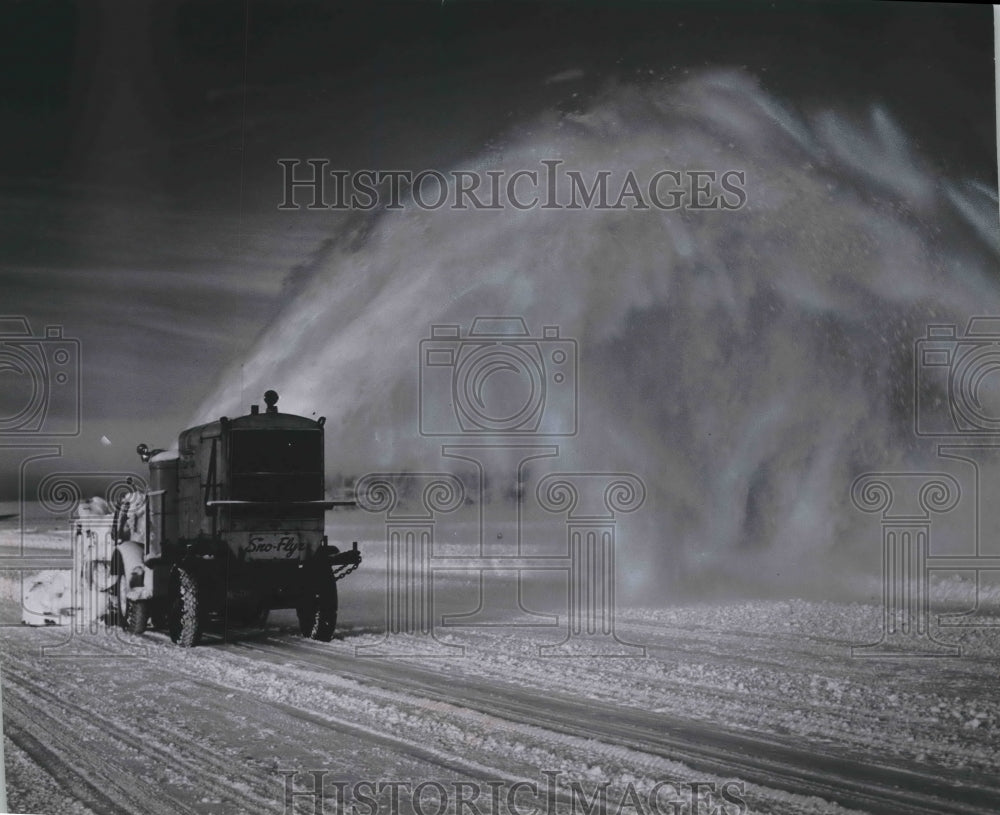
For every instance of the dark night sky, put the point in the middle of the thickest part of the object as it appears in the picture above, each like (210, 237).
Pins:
(140, 140)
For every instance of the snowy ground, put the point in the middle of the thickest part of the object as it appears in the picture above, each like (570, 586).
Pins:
(763, 694)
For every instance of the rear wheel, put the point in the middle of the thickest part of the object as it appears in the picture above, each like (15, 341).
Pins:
(184, 616)
(317, 610)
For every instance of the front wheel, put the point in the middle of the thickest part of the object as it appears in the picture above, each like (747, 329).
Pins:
(132, 615)
(184, 616)
(136, 616)
(317, 611)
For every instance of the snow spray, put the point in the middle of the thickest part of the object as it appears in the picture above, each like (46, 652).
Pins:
(747, 363)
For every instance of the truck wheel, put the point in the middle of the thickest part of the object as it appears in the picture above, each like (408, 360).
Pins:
(317, 612)
(115, 592)
(136, 616)
(184, 615)
(130, 614)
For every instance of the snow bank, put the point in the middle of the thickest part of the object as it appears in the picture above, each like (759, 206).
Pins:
(48, 598)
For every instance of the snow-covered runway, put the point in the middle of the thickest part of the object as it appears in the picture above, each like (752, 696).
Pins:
(761, 694)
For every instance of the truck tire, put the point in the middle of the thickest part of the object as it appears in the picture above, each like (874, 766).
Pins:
(317, 611)
(136, 616)
(114, 591)
(131, 615)
(184, 615)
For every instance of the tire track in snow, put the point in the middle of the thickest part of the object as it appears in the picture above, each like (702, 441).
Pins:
(768, 762)
(165, 749)
(326, 721)
(77, 768)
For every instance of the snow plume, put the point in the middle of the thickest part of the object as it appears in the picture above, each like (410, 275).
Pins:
(747, 364)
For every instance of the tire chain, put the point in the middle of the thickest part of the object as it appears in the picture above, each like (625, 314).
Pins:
(346, 570)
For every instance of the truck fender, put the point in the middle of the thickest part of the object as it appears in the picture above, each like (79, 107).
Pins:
(128, 561)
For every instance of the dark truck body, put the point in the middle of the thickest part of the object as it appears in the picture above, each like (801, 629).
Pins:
(234, 526)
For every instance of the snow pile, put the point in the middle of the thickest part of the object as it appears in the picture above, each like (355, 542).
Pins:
(48, 598)
(95, 507)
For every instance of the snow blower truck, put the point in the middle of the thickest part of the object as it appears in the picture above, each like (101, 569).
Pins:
(231, 526)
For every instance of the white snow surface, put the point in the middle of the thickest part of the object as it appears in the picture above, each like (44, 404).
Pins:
(150, 727)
